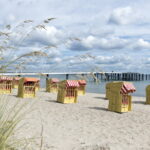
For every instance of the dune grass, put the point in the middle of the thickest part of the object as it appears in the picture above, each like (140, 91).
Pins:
(11, 114)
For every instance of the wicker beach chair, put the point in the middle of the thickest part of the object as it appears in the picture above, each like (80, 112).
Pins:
(148, 94)
(6, 85)
(119, 98)
(82, 86)
(16, 82)
(27, 87)
(52, 85)
(68, 91)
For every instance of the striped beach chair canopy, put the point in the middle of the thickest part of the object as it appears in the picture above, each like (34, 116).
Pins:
(82, 82)
(31, 80)
(17, 78)
(4, 78)
(127, 88)
(72, 83)
(55, 80)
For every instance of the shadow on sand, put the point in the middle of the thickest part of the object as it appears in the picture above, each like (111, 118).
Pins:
(52, 101)
(99, 108)
(103, 98)
(138, 102)
(104, 109)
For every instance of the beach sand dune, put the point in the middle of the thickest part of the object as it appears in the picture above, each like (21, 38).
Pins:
(87, 125)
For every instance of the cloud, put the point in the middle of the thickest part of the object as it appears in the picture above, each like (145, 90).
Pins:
(139, 44)
(92, 42)
(11, 18)
(113, 60)
(117, 28)
(122, 16)
(146, 61)
(48, 36)
(143, 44)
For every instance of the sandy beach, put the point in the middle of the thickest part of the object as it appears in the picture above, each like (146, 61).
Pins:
(87, 125)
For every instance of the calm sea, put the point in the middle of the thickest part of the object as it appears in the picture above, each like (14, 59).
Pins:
(93, 87)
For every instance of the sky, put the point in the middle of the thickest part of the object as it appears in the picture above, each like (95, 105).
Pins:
(89, 35)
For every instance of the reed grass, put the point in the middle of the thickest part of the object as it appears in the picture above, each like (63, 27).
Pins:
(11, 114)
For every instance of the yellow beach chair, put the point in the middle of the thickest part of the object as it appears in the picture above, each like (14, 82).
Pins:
(16, 82)
(82, 85)
(148, 94)
(68, 91)
(6, 85)
(119, 98)
(107, 89)
(27, 87)
(52, 85)
(37, 86)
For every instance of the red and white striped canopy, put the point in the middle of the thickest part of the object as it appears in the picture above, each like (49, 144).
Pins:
(4, 78)
(127, 88)
(54, 80)
(31, 79)
(72, 83)
(82, 82)
(17, 78)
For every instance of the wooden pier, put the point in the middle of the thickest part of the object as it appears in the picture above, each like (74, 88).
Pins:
(129, 76)
(107, 76)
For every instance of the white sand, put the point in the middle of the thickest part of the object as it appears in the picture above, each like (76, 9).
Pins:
(87, 125)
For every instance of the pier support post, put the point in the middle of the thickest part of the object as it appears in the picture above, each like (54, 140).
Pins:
(67, 76)
(138, 77)
(82, 76)
(132, 76)
(122, 76)
(146, 77)
(101, 76)
(110, 76)
(113, 76)
(118, 76)
(47, 76)
(142, 76)
(106, 76)
(96, 77)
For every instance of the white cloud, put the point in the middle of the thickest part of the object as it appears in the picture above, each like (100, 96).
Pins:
(49, 35)
(11, 18)
(111, 60)
(109, 43)
(92, 42)
(140, 44)
(90, 24)
(122, 16)
(143, 44)
(57, 60)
